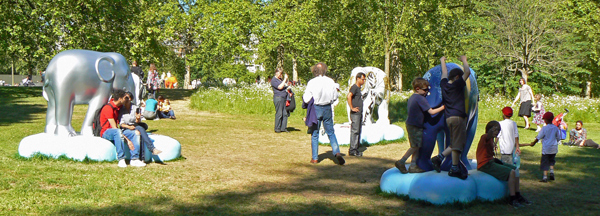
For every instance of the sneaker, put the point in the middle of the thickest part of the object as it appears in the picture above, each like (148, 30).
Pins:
(314, 161)
(457, 173)
(401, 166)
(437, 163)
(524, 201)
(122, 163)
(415, 169)
(544, 180)
(156, 152)
(516, 204)
(340, 159)
(551, 177)
(137, 163)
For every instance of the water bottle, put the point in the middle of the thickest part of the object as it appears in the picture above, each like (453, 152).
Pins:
(517, 163)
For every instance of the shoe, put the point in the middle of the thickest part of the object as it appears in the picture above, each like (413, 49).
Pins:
(415, 169)
(156, 152)
(516, 204)
(277, 131)
(457, 173)
(172, 117)
(357, 154)
(340, 159)
(524, 201)
(122, 163)
(401, 166)
(437, 162)
(285, 131)
(314, 161)
(156, 119)
(526, 127)
(544, 180)
(538, 130)
(551, 177)
(137, 163)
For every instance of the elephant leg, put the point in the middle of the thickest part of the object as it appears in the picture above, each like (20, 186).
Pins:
(383, 113)
(95, 104)
(64, 112)
(50, 112)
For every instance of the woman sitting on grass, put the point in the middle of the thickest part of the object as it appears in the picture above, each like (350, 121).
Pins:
(164, 108)
(578, 136)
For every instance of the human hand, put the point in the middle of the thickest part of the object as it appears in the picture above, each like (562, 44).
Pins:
(463, 58)
(443, 107)
(130, 144)
(443, 59)
(285, 76)
(518, 151)
(355, 109)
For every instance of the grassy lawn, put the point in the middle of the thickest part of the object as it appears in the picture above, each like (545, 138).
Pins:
(234, 164)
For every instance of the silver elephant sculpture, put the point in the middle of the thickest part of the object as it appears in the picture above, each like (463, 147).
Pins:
(82, 77)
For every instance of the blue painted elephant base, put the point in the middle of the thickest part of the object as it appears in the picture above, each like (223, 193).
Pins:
(439, 188)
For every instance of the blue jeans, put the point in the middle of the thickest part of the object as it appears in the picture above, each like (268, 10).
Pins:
(146, 141)
(166, 115)
(114, 135)
(324, 116)
(135, 139)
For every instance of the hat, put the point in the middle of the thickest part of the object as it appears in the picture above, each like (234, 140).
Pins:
(507, 111)
(548, 115)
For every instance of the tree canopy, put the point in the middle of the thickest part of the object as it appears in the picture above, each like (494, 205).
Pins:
(554, 44)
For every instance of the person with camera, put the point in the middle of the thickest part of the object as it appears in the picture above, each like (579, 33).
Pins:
(279, 98)
(135, 129)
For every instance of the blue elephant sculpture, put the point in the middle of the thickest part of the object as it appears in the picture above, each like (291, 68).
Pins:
(82, 77)
(435, 126)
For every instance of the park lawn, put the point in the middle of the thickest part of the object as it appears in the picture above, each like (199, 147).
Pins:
(235, 164)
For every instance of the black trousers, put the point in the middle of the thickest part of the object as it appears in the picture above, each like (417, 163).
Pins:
(355, 130)
(281, 114)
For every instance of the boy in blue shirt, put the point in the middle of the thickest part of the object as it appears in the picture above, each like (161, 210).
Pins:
(550, 135)
(453, 85)
(418, 107)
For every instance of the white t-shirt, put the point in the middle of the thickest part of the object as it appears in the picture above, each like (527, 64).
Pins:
(549, 135)
(507, 135)
(322, 89)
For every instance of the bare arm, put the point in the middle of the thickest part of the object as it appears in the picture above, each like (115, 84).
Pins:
(444, 68)
(285, 77)
(466, 68)
(518, 150)
(516, 99)
(534, 142)
(532, 97)
(436, 110)
(354, 109)
(112, 123)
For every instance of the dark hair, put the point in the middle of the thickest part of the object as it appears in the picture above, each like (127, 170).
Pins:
(524, 81)
(150, 96)
(160, 97)
(455, 72)
(580, 122)
(360, 75)
(277, 70)
(420, 82)
(491, 125)
(130, 95)
(118, 94)
(320, 69)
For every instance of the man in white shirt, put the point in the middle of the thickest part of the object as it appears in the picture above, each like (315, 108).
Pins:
(508, 138)
(323, 90)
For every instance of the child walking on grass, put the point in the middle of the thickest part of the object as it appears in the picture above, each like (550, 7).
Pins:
(550, 135)
(538, 112)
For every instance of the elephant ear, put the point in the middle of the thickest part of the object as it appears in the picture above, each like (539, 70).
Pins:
(104, 69)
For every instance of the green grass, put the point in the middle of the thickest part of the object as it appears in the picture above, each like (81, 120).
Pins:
(235, 165)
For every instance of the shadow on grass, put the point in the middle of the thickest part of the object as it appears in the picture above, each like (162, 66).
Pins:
(176, 94)
(14, 106)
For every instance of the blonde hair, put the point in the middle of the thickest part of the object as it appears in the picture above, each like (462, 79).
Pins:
(538, 97)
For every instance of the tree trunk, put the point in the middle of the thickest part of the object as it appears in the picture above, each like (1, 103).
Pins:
(588, 89)
(400, 80)
(387, 68)
(13, 72)
(525, 74)
(280, 56)
(294, 67)
(187, 81)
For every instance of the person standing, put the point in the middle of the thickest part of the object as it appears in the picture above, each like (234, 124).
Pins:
(279, 98)
(526, 96)
(135, 68)
(153, 80)
(322, 90)
(356, 104)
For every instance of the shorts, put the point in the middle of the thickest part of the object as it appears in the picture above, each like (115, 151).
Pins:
(507, 159)
(547, 161)
(415, 136)
(499, 171)
(458, 132)
(525, 109)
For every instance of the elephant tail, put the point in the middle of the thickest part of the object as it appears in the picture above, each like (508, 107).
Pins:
(112, 72)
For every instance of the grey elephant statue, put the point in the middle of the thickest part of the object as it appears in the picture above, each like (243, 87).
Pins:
(82, 77)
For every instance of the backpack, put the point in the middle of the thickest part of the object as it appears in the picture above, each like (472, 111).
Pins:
(96, 125)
